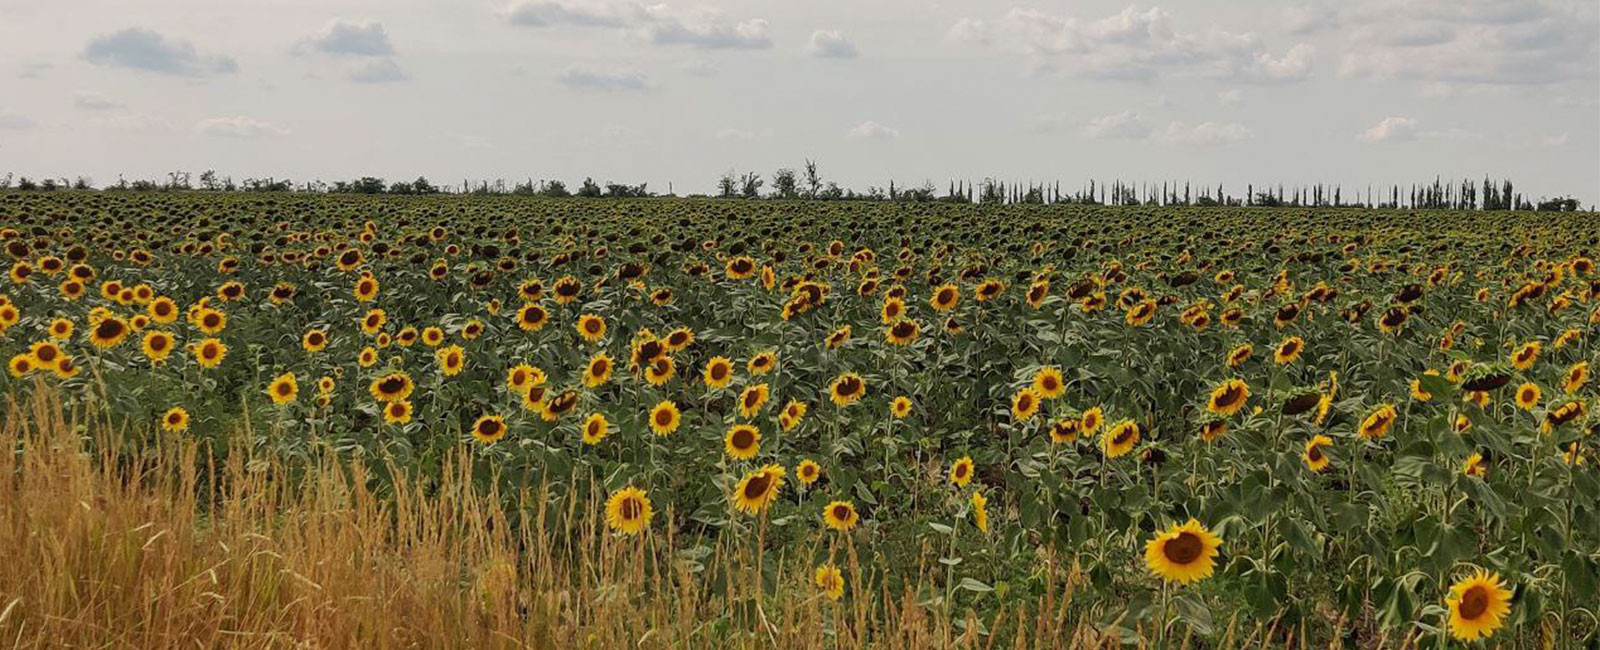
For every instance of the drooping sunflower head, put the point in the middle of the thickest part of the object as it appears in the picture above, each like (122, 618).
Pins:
(1065, 430)
(1288, 350)
(758, 489)
(1213, 430)
(1376, 425)
(1183, 553)
(1228, 397)
(393, 387)
(1240, 355)
(1120, 439)
(1316, 459)
(489, 429)
(838, 338)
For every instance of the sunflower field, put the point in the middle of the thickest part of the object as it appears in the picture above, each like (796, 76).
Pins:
(1341, 428)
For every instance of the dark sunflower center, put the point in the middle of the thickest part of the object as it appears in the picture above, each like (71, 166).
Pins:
(630, 509)
(489, 428)
(46, 354)
(212, 320)
(743, 439)
(1183, 549)
(158, 344)
(1050, 382)
(1315, 454)
(599, 367)
(663, 417)
(677, 339)
(1230, 396)
(1124, 435)
(284, 388)
(841, 513)
(391, 385)
(718, 372)
(108, 329)
(1474, 603)
(175, 418)
(757, 486)
(594, 429)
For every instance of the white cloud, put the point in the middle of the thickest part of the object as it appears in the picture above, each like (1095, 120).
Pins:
(35, 69)
(1553, 141)
(1126, 125)
(144, 49)
(742, 135)
(830, 44)
(1391, 128)
(1134, 45)
(586, 79)
(1205, 134)
(1310, 19)
(870, 130)
(1230, 97)
(378, 71)
(342, 37)
(660, 24)
(1473, 42)
(239, 126)
(93, 101)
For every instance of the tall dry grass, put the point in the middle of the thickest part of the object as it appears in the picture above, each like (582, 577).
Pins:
(126, 539)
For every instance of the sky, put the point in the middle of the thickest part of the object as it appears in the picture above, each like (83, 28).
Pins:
(674, 94)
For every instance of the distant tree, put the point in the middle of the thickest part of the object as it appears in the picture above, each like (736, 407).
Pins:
(750, 185)
(813, 179)
(784, 184)
(589, 189)
(83, 183)
(208, 180)
(727, 186)
(555, 190)
(832, 192)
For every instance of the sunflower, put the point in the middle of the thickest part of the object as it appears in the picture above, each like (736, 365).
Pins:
(532, 317)
(489, 429)
(20, 365)
(792, 414)
(628, 511)
(46, 354)
(1211, 430)
(1139, 315)
(847, 388)
(989, 290)
(598, 371)
(61, 329)
(1528, 395)
(372, 323)
(664, 418)
(157, 345)
(1563, 414)
(1577, 375)
(472, 330)
(718, 372)
(892, 310)
(752, 399)
(366, 289)
(210, 321)
(591, 327)
(1024, 404)
(397, 412)
(1228, 397)
(314, 340)
(762, 363)
(1120, 439)
(660, 371)
(1474, 466)
(108, 332)
(368, 357)
(900, 406)
(283, 389)
(742, 442)
(451, 360)
(407, 336)
(840, 516)
(393, 387)
(1525, 355)
(1418, 393)
(1240, 355)
(1315, 458)
(902, 332)
(1091, 421)
(1572, 456)
(1040, 290)
(522, 376)
(162, 310)
(808, 471)
(1478, 605)
(740, 267)
(1183, 553)
(1376, 425)
(595, 428)
(325, 385)
(945, 298)
(758, 489)
(1288, 350)
(209, 353)
(830, 580)
(175, 420)
(678, 339)
(559, 405)
(432, 336)
(980, 511)
(961, 471)
(1065, 430)
(838, 338)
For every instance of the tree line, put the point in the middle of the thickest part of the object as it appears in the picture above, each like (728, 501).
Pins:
(807, 183)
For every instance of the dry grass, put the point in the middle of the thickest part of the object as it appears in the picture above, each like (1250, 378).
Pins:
(113, 542)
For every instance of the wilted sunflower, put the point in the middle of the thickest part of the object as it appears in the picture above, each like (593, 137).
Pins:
(664, 418)
(838, 338)
(1528, 395)
(1576, 376)
(742, 441)
(1561, 415)
(1240, 355)
(598, 371)
(830, 580)
(1211, 430)
(1065, 430)
(980, 511)
(762, 363)
(961, 471)
(1048, 383)
(591, 327)
(1315, 458)
(808, 471)
(1288, 350)
(840, 516)
(1478, 605)
(595, 428)
(628, 511)
(1376, 425)
(1119, 439)
(175, 420)
(489, 429)
(283, 389)
(758, 489)
(1228, 397)
(1024, 404)
(847, 388)
(1183, 553)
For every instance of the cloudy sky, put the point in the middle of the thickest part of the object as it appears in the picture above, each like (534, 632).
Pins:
(1265, 91)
